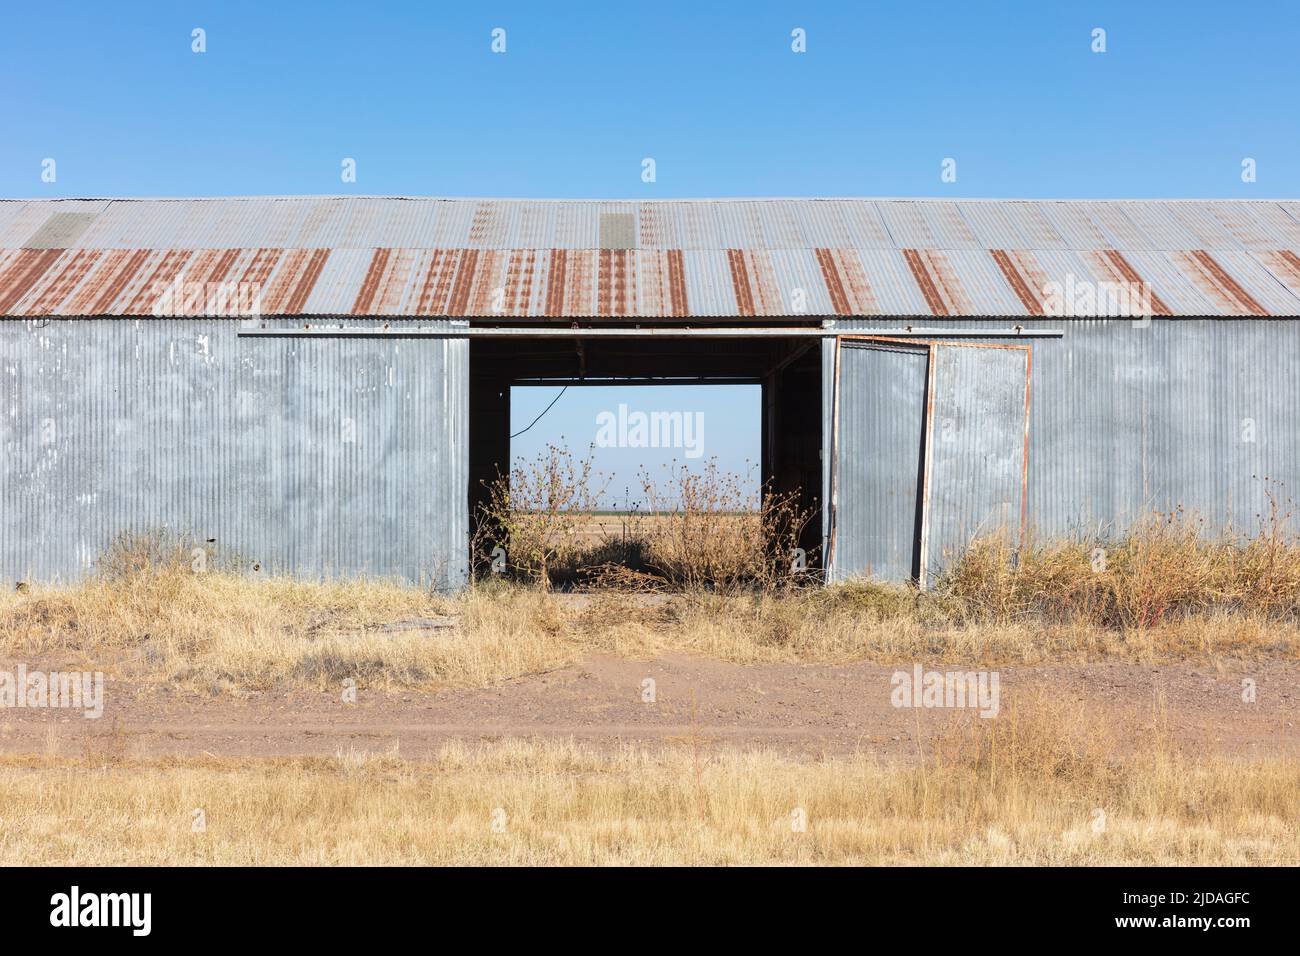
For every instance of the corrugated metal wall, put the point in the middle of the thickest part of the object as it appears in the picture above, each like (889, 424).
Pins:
(317, 458)
(322, 457)
(1126, 419)
(977, 450)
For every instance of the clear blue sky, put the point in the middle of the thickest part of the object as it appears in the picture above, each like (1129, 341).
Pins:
(724, 427)
(713, 92)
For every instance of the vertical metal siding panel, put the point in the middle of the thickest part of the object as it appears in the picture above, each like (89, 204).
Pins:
(830, 411)
(180, 424)
(881, 423)
(391, 502)
(977, 451)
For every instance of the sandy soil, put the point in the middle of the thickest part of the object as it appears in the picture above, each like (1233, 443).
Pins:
(795, 710)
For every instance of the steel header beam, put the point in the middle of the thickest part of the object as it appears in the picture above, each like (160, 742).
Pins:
(469, 332)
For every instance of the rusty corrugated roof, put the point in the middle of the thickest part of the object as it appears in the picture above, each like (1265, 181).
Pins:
(492, 258)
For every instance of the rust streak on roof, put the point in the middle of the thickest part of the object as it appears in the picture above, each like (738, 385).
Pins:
(28, 268)
(763, 286)
(555, 283)
(460, 290)
(661, 258)
(578, 289)
(1017, 282)
(1287, 265)
(677, 283)
(439, 275)
(486, 296)
(923, 279)
(1123, 270)
(740, 282)
(288, 274)
(261, 266)
(519, 281)
(154, 285)
(947, 281)
(370, 284)
(212, 265)
(1242, 299)
(615, 295)
(59, 286)
(117, 280)
(652, 283)
(834, 285)
(857, 287)
(604, 285)
(303, 289)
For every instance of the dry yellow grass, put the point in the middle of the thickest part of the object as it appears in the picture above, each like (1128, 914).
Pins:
(1168, 567)
(225, 632)
(1018, 792)
(1164, 593)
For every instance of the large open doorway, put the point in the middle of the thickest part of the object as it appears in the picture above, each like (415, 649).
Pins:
(784, 373)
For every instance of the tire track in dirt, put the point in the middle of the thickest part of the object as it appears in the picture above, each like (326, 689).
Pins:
(797, 710)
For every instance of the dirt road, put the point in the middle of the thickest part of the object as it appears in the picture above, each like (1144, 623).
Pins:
(796, 710)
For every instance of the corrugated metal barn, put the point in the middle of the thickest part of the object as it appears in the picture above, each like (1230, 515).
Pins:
(319, 385)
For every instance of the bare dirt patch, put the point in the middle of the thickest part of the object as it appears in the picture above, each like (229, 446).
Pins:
(794, 710)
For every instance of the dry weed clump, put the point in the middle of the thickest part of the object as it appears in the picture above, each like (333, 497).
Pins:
(1167, 569)
(696, 530)
(704, 531)
(533, 515)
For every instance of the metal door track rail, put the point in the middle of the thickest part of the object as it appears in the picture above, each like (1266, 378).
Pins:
(468, 332)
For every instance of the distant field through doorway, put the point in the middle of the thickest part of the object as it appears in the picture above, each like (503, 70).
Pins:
(663, 457)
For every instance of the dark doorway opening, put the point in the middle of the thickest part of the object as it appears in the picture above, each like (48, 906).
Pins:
(787, 369)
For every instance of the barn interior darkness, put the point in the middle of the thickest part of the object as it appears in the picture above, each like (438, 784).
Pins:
(788, 369)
